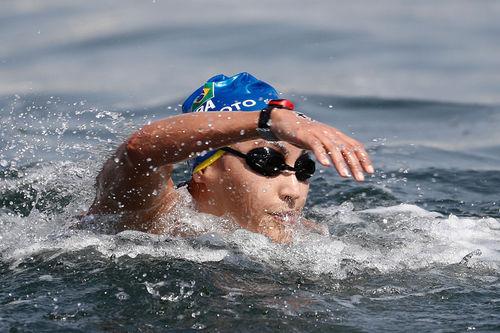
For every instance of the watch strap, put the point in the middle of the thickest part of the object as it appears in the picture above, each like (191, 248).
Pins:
(264, 124)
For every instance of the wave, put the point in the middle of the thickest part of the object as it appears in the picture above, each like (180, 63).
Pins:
(384, 240)
(40, 198)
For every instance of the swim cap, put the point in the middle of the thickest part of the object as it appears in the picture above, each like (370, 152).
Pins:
(240, 92)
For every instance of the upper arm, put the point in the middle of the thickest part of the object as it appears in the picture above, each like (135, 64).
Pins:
(127, 183)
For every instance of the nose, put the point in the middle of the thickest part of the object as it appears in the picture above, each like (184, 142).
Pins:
(289, 188)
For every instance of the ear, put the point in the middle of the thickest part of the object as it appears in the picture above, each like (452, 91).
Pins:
(207, 175)
(202, 181)
(198, 177)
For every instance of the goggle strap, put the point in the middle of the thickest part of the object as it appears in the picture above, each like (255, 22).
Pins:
(208, 161)
(233, 151)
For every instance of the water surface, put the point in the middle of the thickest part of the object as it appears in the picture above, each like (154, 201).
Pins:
(415, 247)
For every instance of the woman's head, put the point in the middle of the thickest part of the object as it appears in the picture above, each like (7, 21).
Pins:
(224, 184)
(268, 205)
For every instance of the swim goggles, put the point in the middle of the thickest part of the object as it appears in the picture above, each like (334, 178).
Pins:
(270, 162)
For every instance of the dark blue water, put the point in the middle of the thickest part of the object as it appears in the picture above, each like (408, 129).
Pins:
(415, 247)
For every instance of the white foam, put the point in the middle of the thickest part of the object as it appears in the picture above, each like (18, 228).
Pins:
(406, 208)
(384, 239)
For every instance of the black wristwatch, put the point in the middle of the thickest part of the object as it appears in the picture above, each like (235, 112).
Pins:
(264, 125)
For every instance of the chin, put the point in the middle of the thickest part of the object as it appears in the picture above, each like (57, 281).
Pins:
(276, 229)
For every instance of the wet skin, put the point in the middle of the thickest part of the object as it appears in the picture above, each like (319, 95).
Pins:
(136, 183)
(267, 205)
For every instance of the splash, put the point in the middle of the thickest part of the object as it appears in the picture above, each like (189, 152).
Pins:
(383, 240)
(40, 200)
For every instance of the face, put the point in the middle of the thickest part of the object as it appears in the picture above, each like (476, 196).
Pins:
(267, 205)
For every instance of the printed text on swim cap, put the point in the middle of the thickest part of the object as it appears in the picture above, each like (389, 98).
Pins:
(209, 105)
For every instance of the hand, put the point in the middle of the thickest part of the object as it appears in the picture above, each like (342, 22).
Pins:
(326, 142)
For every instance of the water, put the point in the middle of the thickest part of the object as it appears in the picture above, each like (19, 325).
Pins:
(415, 247)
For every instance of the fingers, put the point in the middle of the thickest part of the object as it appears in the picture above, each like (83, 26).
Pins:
(361, 154)
(337, 159)
(329, 144)
(363, 158)
(319, 151)
(354, 164)
(346, 156)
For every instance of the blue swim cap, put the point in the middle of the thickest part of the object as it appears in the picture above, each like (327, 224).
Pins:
(240, 92)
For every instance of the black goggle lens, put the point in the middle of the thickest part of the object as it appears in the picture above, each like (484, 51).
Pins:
(304, 167)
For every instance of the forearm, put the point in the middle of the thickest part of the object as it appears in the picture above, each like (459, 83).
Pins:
(178, 138)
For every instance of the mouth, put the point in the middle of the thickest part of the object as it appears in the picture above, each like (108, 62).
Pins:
(289, 217)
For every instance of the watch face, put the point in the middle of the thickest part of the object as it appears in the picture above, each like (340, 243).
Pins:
(264, 125)
(264, 118)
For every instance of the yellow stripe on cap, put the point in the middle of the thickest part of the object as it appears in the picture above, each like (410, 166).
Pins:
(208, 161)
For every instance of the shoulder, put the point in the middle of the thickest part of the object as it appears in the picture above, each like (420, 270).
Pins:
(157, 219)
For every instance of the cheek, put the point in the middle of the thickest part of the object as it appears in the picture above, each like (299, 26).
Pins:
(304, 191)
(245, 190)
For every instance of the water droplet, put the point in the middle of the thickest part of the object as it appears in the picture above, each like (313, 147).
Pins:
(122, 296)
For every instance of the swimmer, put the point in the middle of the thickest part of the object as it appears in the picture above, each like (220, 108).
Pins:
(250, 156)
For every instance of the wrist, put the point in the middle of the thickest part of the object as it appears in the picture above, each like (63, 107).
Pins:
(277, 117)
(264, 124)
(268, 115)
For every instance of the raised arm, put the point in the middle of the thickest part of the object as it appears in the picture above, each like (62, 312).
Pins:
(137, 178)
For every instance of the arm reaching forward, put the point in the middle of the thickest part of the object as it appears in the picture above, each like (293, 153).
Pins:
(137, 178)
